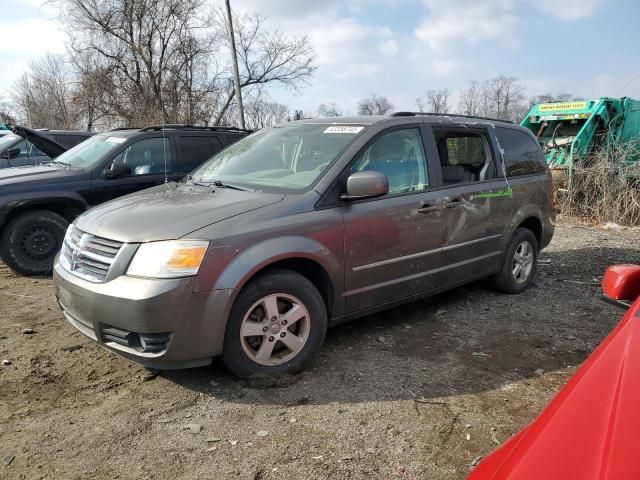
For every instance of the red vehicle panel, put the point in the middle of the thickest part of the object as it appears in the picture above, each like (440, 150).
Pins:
(591, 428)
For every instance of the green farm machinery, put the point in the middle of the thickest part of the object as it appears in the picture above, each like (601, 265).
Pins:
(572, 132)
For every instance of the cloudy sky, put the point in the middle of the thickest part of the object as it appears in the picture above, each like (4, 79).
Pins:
(402, 48)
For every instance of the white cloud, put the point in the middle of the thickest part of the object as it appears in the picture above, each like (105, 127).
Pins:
(389, 47)
(466, 22)
(31, 36)
(568, 10)
(24, 41)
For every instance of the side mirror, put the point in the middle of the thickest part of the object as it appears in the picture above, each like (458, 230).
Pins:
(621, 284)
(117, 170)
(12, 153)
(366, 184)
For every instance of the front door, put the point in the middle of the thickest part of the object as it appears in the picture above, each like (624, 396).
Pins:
(29, 155)
(147, 159)
(476, 199)
(392, 242)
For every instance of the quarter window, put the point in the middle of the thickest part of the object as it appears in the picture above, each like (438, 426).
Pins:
(400, 156)
(146, 156)
(522, 156)
(195, 150)
(464, 157)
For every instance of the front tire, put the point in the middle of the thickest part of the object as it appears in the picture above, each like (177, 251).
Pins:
(276, 325)
(30, 242)
(520, 263)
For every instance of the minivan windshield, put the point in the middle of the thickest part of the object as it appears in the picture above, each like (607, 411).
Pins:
(88, 153)
(290, 156)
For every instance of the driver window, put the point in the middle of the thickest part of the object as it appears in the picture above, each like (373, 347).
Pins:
(27, 150)
(400, 156)
(146, 156)
(464, 157)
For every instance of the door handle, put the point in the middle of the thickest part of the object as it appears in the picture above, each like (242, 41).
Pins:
(428, 208)
(453, 202)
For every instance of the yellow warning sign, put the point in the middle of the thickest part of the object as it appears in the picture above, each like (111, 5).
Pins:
(547, 107)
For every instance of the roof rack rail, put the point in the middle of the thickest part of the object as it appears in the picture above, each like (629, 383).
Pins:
(415, 114)
(124, 128)
(181, 126)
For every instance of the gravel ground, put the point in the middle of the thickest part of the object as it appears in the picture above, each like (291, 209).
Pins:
(420, 391)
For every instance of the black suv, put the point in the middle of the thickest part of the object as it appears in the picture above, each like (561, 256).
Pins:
(22, 146)
(38, 202)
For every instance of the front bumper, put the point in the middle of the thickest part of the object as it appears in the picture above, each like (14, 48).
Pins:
(159, 323)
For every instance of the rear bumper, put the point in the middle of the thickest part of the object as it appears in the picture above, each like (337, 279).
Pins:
(158, 323)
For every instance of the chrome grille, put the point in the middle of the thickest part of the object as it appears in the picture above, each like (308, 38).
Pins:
(88, 256)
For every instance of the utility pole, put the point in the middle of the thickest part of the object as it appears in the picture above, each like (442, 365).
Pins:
(236, 73)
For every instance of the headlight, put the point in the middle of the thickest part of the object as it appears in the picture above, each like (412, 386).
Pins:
(168, 259)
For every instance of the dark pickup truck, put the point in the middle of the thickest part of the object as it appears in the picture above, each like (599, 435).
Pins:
(38, 202)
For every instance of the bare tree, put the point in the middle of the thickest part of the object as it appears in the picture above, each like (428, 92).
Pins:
(7, 115)
(260, 111)
(550, 98)
(43, 94)
(506, 97)
(438, 100)
(266, 57)
(420, 104)
(470, 99)
(500, 97)
(329, 110)
(298, 115)
(375, 105)
(144, 43)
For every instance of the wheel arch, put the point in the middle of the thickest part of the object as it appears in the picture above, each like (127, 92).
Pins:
(69, 207)
(302, 255)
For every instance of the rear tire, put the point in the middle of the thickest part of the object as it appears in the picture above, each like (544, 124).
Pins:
(276, 325)
(30, 242)
(520, 263)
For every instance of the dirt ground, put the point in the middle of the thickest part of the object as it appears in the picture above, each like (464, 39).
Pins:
(420, 391)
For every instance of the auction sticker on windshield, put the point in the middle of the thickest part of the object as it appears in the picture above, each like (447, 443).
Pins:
(343, 129)
(116, 140)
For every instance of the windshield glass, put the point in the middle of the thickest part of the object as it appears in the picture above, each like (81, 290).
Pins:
(7, 140)
(87, 153)
(290, 156)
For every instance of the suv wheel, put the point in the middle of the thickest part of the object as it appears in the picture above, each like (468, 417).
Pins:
(520, 263)
(277, 323)
(30, 242)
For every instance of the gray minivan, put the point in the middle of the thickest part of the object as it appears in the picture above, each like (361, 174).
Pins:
(298, 227)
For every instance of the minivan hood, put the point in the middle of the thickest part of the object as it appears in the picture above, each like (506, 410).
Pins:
(169, 211)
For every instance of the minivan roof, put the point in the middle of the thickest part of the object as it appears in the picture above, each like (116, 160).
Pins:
(401, 117)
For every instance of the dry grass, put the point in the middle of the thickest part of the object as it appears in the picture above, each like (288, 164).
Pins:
(605, 189)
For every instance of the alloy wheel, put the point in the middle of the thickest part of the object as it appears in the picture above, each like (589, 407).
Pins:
(275, 329)
(522, 262)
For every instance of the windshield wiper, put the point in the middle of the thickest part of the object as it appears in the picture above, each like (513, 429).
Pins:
(190, 180)
(220, 184)
(217, 183)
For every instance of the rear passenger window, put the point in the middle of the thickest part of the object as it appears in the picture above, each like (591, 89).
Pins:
(464, 157)
(522, 156)
(147, 156)
(195, 150)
